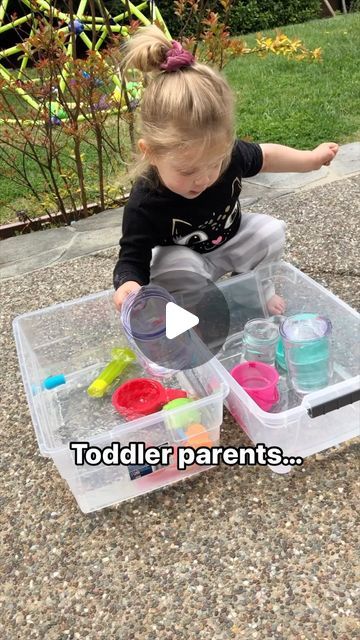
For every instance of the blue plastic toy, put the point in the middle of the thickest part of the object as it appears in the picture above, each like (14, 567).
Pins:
(77, 27)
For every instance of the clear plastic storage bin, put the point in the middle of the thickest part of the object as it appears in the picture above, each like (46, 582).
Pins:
(299, 425)
(76, 339)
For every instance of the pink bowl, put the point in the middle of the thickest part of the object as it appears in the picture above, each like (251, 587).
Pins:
(259, 380)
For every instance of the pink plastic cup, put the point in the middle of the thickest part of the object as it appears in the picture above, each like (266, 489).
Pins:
(259, 380)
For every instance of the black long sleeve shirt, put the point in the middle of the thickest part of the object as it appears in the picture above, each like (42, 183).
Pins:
(156, 216)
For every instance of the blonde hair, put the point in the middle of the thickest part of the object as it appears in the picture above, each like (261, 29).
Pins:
(191, 105)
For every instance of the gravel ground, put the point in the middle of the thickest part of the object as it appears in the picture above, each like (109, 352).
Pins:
(232, 553)
(323, 234)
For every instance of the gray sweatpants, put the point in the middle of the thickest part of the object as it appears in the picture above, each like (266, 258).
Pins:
(259, 240)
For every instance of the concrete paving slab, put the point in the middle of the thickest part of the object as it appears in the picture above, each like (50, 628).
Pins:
(347, 160)
(103, 220)
(266, 192)
(290, 181)
(33, 251)
(91, 241)
(28, 245)
(252, 192)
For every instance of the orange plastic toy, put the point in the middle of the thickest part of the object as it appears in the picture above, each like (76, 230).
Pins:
(198, 436)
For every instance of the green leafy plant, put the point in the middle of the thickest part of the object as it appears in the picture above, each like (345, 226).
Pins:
(67, 118)
(213, 43)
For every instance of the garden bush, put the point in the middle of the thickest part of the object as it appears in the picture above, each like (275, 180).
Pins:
(251, 15)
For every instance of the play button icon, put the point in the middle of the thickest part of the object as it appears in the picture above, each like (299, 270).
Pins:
(178, 320)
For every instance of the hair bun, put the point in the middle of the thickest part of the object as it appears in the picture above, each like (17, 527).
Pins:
(147, 50)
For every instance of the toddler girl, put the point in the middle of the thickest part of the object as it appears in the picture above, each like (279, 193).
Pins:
(184, 211)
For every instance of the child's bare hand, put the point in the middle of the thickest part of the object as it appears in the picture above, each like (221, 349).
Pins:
(324, 154)
(123, 291)
(276, 305)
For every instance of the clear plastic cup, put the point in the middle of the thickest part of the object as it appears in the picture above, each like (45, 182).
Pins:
(307, 344)
(143, 315)
(260, 338)
(280, 361)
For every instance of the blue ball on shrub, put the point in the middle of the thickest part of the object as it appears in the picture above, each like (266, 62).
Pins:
(77, 27)
(87, 76)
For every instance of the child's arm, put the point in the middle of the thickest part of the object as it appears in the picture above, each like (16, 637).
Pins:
(139, 236)
(277, 158)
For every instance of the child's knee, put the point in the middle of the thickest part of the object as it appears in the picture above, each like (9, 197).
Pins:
(174, 258)
(272, 239)
(280, 234)
(277, 232)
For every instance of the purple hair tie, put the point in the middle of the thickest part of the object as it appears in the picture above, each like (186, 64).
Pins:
(177, 57)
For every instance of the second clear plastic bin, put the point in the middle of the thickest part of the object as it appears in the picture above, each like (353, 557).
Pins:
(300, 424)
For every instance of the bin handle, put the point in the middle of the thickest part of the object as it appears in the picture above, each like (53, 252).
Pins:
(333, 404)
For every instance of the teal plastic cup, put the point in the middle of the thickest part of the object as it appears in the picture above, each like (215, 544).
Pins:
(306, 339)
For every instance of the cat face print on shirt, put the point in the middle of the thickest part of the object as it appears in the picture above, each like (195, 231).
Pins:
(215, 231)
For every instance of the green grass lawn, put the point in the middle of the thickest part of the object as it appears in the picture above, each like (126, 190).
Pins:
(301, 104)
(295, 103)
